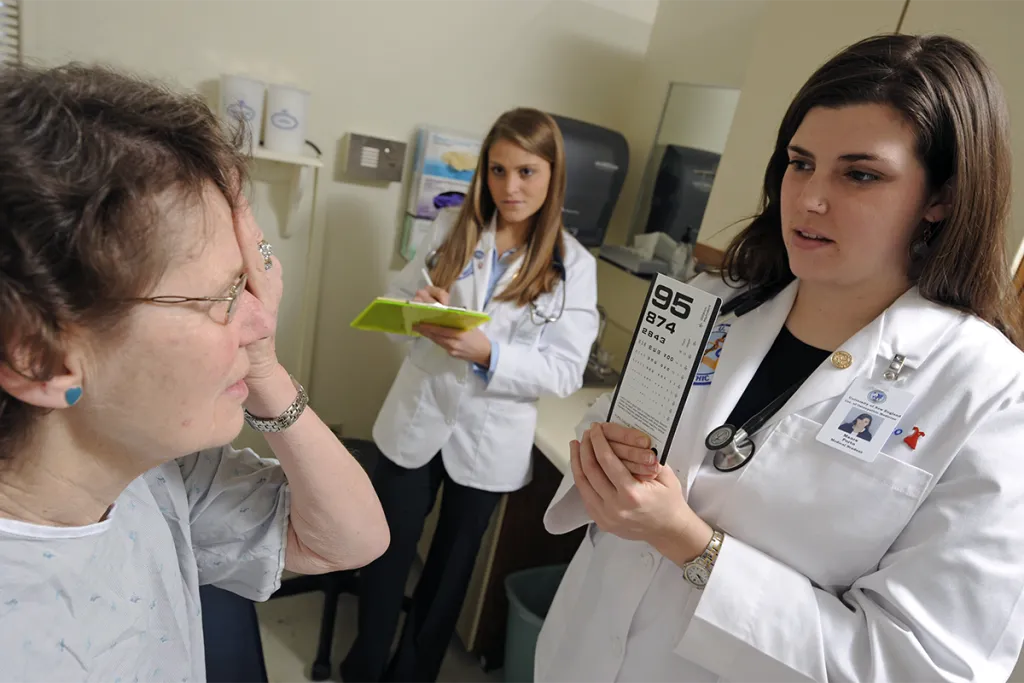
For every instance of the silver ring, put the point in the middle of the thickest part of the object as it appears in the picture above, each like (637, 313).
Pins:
(267, 251)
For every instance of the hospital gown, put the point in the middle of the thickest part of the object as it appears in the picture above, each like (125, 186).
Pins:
(118, 601)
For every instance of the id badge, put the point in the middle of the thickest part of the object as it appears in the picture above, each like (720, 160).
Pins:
(864, 418)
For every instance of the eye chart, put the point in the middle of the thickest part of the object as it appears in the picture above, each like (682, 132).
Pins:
(663, 357)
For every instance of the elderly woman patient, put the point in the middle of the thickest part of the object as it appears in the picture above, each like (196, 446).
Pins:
(138, 304)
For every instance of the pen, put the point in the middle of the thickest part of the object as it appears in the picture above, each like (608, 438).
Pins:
(426, 276)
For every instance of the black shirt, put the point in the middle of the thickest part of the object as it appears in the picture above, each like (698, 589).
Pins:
(788, 361)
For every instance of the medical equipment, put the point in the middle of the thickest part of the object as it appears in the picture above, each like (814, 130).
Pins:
(733, 446)
(536, 317)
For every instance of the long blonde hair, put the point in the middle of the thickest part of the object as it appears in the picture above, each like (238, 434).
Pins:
(537, 133)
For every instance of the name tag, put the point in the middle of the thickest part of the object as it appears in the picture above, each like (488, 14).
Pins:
(864, 418)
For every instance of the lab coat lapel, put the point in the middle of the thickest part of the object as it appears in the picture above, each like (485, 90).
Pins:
(828, 381)
(912, 327)
(748, 340)
(481, 263)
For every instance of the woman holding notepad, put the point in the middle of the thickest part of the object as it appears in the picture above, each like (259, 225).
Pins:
(462, 409)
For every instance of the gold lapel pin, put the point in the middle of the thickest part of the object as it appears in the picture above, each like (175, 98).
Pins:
(841, 360)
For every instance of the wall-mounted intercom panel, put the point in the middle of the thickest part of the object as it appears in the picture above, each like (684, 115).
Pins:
(372, 159)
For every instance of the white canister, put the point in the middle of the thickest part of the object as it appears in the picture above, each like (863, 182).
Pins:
(287, 110)
(241, 100)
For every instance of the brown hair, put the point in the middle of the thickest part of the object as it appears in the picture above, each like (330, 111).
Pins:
(954, 102)
(537, 133)
(84, 153)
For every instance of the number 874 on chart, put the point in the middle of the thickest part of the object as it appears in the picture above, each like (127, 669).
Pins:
(670, 308)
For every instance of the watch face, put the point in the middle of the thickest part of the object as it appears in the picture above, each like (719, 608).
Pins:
(697, 575)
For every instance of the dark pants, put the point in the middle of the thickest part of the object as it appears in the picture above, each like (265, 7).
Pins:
(407, 497)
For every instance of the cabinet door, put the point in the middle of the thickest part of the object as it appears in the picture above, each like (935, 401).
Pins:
(795, 37)
(993, 28)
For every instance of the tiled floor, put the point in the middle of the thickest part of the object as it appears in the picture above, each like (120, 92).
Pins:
(290, 628)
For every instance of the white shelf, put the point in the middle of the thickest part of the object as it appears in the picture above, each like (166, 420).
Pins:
(297, 159)
(296, 180)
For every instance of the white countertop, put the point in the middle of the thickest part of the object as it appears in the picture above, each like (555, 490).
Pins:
(556, 423)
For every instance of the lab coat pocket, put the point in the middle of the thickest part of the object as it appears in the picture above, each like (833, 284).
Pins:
(530, 325)
(526, 332)
(825, 513)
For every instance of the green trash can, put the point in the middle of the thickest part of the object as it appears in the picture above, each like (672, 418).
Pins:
(530, 593)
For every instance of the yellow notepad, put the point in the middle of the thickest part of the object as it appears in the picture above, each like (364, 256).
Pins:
(398, 316)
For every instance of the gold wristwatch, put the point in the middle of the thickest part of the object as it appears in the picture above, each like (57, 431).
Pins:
(698, 570)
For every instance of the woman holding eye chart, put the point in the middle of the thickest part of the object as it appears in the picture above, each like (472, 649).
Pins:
(843, 497)
(462, 409)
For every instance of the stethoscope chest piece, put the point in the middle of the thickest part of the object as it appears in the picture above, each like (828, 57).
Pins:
(720, 437)
(732, 447)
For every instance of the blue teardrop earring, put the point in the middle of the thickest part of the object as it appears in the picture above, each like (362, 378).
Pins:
(72, 395)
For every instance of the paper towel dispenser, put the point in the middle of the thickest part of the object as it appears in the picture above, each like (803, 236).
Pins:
(596, 161)
(681, 191)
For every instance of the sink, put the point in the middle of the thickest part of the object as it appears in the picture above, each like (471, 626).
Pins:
(596, 377)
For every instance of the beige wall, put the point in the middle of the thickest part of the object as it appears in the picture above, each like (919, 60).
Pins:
(794, 37)
(700, 42)
(699, 116)
(376, 67)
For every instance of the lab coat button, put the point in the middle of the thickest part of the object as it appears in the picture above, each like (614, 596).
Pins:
(648, 560)
(450, 421)
(617, 648)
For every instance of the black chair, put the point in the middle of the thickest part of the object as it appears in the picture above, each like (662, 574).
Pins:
(231, 631)
(333, 584)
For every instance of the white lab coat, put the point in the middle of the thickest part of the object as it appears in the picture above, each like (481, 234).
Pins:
(485, 430)
(907, 568)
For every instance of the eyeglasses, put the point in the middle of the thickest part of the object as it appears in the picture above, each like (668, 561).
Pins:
(234, 295)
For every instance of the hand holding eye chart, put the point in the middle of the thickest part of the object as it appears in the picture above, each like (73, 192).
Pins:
(667, 346)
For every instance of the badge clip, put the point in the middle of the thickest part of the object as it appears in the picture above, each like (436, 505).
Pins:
(895, 366)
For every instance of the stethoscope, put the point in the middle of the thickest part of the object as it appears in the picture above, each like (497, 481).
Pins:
(536, 316)
(734, 446)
